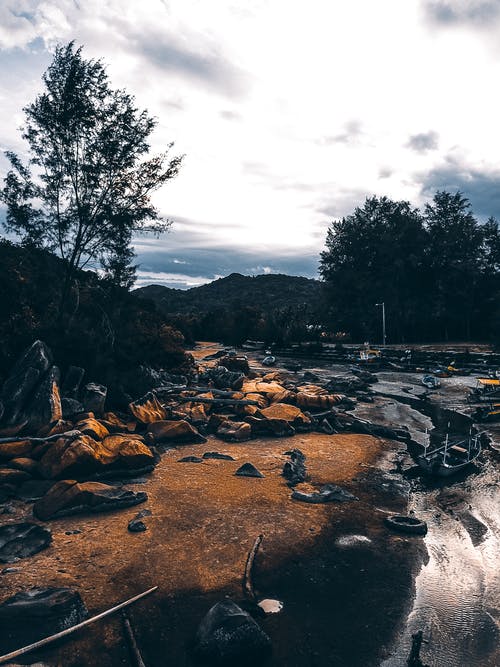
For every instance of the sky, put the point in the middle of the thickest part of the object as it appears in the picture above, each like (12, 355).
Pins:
(289, 113)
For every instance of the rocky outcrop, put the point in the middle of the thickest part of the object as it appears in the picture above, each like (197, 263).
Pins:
(71, 497)
(82, 457)
(21, 540)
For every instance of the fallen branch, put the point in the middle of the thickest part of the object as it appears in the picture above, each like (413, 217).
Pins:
(132, 643)
(38, 439)
(247, 578)
(216, 401)
(73, 628)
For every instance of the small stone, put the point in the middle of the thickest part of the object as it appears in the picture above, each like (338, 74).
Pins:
(217, 455)
(248, 470)
(190, 459)
(137, 526)
(21, 540)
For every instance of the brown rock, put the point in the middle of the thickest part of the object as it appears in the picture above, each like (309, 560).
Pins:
(235, 364)
(84, 456)
(70, 497)
(115, 425)
(148, 409)
(28, 465)
(174, 432)
(276, 427)
(13, 477)
(284, 396)
(13, 450)
(289, 413)
(45, 406)
(93, 428)
(306, 400)
(261, 400)
(234, 431)
(215, 421)
(60, 426)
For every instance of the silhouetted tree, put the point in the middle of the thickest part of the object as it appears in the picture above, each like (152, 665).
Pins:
(88, 184)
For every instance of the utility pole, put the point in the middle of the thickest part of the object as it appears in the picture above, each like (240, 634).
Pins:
(383, 321)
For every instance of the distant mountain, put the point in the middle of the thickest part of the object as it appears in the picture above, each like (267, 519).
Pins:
(267, 293)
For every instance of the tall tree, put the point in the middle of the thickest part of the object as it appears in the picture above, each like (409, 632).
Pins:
(375, 254)
(454, 261)
(88, 184)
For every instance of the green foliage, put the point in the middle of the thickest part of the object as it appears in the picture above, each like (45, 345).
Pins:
(437, 272)
(111, 332)
(88, 183)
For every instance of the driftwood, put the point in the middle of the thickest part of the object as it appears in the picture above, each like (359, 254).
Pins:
(132, 643)
(38, 439)
(74, 628)
(247, 578)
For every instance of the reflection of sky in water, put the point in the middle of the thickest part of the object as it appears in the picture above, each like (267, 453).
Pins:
(458, 591)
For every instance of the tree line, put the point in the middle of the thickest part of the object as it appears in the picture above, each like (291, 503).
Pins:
(437, 271)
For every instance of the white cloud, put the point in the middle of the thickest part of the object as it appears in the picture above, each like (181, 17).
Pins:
(288, 113)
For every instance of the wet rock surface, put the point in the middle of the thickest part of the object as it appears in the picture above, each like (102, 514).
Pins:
(21, 540)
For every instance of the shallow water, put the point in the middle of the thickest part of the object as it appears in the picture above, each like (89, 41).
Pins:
(458, 591)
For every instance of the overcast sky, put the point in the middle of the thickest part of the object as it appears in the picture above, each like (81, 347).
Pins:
(289, 113)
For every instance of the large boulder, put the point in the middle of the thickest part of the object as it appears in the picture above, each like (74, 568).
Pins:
(45, 405)
(71, 497)
(175, 432)
(92, 427)
(21, 540)
(227, 635)
(82, 457)
(36, 613)
(287, 412)
(15, 449)
(235, 363)
(23, 379)
(72, 381)
(148, 409)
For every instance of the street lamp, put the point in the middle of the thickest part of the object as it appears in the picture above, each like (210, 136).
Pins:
(383, 320)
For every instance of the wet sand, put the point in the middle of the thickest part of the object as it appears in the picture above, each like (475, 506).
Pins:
(341, 603)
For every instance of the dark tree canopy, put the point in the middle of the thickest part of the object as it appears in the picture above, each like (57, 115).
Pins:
(437, 272)
(88, 184)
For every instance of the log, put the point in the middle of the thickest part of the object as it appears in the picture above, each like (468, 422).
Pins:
(248, 588)
(37, 439)
(74, 628)
(132, 643)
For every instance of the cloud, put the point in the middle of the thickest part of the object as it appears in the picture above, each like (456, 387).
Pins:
(479, 13)
(343, 203)
(423, 142)
(482, 188)
(352, 131)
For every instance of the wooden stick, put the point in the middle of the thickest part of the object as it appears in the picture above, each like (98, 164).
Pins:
(247, 579)
(132, 643)
(37, 439)
(73, 628)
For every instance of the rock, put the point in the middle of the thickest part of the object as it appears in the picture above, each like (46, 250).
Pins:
(345, 384)
(137, 526)
(13, 477)
(222, 378)
(45, 406)
(190, 459)
(23, 379)
(235, 363)
(36, 613)
(116, 424)
(307, 400)
(83, 456)
(25, 464)
(72, 381)
(93, 428)
(70, 497)
(21, 540)
(175, 432)
(217, 455)
(148, 409)
(70, 407)
(283, 396)
(308, 376)
(276, 427)
(289, 413)
(13, 450)
(248, 470)
(328, 493)
(227, 635)
(261, 400)
(295, 470)
(94, 397)
(234, 431)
